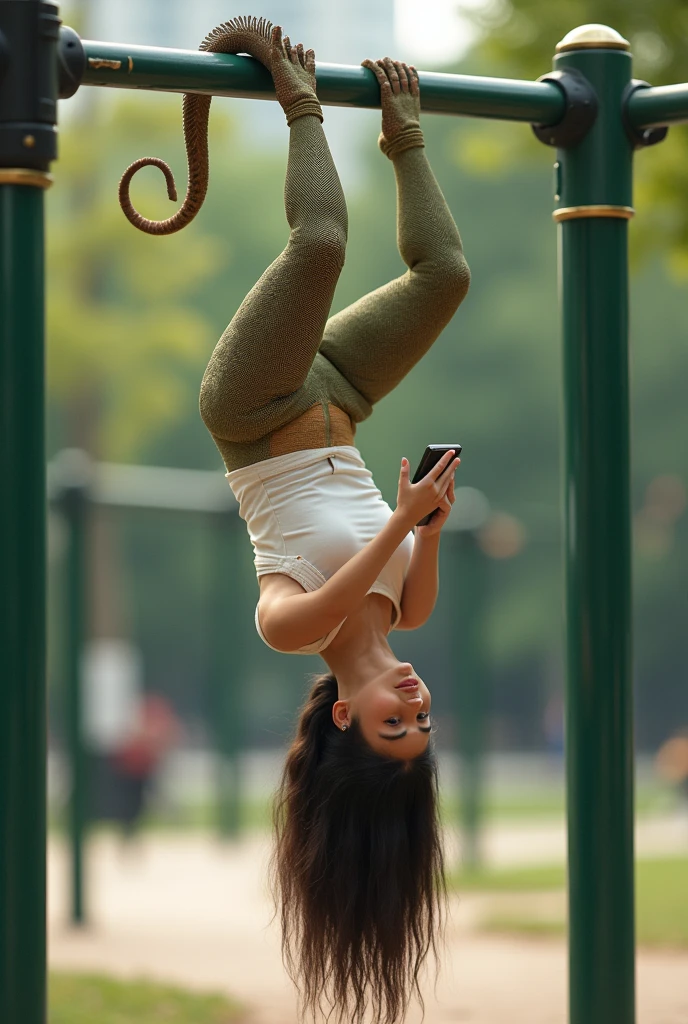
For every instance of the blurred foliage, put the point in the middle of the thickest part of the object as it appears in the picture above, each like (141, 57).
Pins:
(518, 38)
(91, 998)
(122, 326)
(133, 320)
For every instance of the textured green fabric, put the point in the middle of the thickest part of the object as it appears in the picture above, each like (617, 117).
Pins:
(280, 355)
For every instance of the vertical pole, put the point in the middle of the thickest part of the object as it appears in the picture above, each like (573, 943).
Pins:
(226, 665)
(28, 90)
(468, 587)
(74, 697)
(594, 205)
(73, 475)
(471, 691)
(22, 608)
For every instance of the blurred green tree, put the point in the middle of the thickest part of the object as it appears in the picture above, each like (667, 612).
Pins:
(122, 327)
(129, 329)
(517, 39)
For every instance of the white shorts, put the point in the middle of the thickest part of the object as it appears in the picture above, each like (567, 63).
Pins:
(308, 513)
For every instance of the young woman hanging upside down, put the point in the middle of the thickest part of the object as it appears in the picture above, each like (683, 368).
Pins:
(358, 869)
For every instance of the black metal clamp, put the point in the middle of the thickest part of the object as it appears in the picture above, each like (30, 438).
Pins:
(580, 113)
(640, 137)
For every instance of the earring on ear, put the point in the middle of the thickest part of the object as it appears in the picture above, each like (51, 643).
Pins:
(344, 728)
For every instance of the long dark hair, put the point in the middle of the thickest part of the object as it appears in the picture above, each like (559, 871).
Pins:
(358, 870)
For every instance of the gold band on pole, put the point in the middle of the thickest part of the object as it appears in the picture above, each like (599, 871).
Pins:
(576, 212)
(25, 176)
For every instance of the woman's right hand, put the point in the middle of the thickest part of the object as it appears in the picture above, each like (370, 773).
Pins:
(414, 501)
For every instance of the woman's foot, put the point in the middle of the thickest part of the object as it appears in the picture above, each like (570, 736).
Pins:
(293, 72)
(399, 96)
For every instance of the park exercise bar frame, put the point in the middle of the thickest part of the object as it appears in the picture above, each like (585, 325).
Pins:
(595, 114)
(76, 489)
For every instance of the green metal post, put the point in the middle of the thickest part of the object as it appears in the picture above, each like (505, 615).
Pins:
(28, 90)
(471, 691)
(73, 472)
(467, 578)
(22, 608)
(594, 204)
(226, 666)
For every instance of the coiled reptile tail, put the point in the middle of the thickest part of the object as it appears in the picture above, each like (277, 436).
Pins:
(240, 35)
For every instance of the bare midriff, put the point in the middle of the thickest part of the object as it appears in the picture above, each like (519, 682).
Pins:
(321, 426)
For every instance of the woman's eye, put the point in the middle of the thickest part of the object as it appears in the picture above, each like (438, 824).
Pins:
(422, 715)
(392, 721)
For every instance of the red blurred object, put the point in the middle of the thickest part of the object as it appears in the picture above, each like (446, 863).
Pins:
(156, 732)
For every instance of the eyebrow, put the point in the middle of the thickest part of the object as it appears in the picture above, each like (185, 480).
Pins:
(400, 735)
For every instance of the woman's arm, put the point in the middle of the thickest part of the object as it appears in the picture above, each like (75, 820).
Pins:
(421, 583)
(292, 621)
(422, 580)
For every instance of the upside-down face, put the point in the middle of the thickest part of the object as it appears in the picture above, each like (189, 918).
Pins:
(393, 712)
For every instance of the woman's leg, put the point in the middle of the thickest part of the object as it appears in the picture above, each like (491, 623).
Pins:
(377, 340)
(255, 375)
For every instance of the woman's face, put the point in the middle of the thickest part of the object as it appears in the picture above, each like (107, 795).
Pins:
(393, 712)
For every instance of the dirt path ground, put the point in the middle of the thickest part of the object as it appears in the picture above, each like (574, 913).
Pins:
(191, 911)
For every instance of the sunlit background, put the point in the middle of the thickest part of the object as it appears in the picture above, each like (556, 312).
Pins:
(186, 714)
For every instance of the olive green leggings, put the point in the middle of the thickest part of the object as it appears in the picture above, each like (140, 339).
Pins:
(281, 356)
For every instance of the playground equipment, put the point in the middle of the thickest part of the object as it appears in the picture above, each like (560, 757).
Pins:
(76, 487)
(595, 114)
(468, 594)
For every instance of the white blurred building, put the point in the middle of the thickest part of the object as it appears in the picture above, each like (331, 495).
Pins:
(342, 33)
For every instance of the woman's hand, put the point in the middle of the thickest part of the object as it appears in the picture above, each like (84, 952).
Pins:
(440, 517)
(434, 491)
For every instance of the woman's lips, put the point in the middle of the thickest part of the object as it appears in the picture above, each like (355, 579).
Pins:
(408, 684)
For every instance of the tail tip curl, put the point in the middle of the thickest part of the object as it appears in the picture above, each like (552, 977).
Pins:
(243, 33)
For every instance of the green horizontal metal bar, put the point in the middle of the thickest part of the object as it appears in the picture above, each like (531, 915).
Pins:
(658, 105)
(119, 66)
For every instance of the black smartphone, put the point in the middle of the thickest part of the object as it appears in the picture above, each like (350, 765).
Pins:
(431, 456)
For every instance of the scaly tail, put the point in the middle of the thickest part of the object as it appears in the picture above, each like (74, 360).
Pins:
(240, 35)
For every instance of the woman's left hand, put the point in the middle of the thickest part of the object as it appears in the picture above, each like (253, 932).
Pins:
(439, 518)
